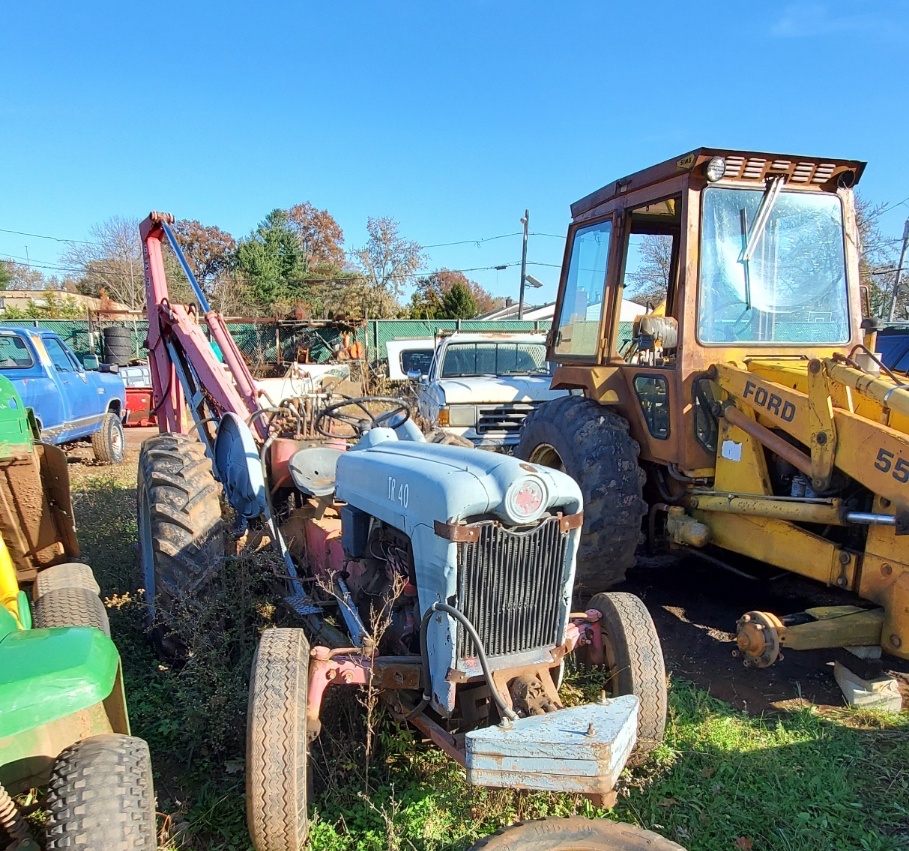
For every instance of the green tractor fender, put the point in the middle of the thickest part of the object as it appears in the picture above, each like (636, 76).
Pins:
(57, 686)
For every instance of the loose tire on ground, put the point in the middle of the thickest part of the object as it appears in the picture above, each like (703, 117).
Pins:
(445, 439)
(635, 659)
(592, 445)
(101, 797)
(276, 742)
(70, 607)
(72, 574)
(574, 833)
(108, 443)
(181, 531)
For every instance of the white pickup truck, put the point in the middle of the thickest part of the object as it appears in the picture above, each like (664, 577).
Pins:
(480, 386)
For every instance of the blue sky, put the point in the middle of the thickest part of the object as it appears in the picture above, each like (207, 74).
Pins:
(450, 117)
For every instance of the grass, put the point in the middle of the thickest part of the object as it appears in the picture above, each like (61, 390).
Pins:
(722, 780)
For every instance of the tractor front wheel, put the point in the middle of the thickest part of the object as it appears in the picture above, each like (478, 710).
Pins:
(101, 796)
(574, 833)
(277, 743)
(181, 532)
(634, 659)
(591, 444)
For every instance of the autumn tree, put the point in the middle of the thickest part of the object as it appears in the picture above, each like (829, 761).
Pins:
(426, 301)
(209, 250)
(24, 277)
(877, 261)
(319, 236)
(112, 260)
(387, 264)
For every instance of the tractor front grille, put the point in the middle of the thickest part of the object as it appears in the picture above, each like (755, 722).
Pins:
(502, 419)
(510, 587)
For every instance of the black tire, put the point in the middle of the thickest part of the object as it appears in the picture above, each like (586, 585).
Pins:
(117, 333)
(443, 438)
(73, 574)
(277, 743)
(181, 531)
(109, 442)
(574, 833)
(592, 445)
(70, 607)
(101, 796)
(635, 659)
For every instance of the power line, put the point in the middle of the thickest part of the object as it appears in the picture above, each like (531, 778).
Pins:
(45, 236)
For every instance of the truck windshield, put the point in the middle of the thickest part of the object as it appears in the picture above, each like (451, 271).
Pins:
(793, 288)
(14, 354)
(464, 359)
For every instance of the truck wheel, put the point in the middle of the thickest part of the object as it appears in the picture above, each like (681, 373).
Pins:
(574, 833)
(70, 607)
(277, 744)
(101, 796)
(634, 657)
(181, 532)
(591, 444)
(108, 442)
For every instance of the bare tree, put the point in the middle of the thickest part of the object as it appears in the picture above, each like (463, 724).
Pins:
(111, 261)
(387, 262)
(650, 282)
(877, 260)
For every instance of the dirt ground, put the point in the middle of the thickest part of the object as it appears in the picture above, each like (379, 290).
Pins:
(695, 606)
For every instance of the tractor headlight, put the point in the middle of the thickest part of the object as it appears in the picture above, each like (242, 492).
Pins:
(716, 168)
(525, 500)
(462, 415)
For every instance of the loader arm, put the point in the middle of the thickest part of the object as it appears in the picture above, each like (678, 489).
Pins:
(184, 368)
(847, 420)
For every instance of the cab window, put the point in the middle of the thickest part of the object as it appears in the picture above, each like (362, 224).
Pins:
(59, 356)
(578, 326)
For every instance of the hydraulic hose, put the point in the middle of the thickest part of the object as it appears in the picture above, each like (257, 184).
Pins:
(504, 709)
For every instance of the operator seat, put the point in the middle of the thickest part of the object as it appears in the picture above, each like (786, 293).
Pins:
(314, 470)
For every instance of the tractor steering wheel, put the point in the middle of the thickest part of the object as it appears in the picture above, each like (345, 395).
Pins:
(362, 424)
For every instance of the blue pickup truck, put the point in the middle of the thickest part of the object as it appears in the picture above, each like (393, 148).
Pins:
(70, 401)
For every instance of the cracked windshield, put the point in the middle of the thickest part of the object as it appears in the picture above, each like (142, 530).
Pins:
(793, 287)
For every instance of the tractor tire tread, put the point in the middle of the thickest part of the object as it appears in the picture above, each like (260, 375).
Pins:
(575, 833)
(276, 742)
(101, 796)
(70, 606)
(600, 455)
(73, 574)
(641, 667)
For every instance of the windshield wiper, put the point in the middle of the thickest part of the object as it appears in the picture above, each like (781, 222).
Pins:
(771, 193)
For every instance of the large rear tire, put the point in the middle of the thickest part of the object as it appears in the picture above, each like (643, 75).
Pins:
(592, 445)
(181, 532)
(101, 796)
(634, 657)
(277, 743)
(574, 833)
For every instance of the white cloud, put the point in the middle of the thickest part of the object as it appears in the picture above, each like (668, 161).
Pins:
(802, 20)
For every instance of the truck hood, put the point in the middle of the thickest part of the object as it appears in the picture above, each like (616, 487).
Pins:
(510, 388)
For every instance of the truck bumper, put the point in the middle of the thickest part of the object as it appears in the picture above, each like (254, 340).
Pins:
(582, 749)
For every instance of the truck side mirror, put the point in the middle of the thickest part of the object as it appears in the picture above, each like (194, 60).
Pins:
(91, 362)
(415, 375)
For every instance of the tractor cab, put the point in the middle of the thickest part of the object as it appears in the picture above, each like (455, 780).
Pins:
(740, 256)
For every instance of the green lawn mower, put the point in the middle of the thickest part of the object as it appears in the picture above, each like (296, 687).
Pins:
(65, 746)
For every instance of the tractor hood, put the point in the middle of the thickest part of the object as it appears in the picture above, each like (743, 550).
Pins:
(409, 484)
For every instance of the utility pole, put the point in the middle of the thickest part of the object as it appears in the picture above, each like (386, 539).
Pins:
(524, 222)
(899, 271)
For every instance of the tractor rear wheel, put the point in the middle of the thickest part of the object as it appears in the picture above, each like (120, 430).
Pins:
(592, 445)
(101, 796)
(181, 532)
(574, 833)
(277, 743)
(634, 657)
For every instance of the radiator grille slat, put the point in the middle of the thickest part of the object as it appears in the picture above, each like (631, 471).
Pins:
(510, 588)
